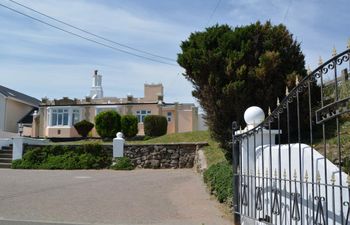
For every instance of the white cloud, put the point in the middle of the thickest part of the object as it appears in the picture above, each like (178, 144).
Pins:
(42, 61)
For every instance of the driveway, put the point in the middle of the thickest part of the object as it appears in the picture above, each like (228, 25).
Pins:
(167, 197)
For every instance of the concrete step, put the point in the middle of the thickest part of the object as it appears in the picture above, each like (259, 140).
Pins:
(5, 160)
(5, 165)
(6, 155)
(8, 151)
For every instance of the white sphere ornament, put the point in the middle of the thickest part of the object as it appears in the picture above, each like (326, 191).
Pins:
(119, 135)
(253, 116)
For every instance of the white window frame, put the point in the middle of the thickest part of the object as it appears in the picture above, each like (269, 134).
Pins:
(141, 114)
(69, 109)
(76, 113)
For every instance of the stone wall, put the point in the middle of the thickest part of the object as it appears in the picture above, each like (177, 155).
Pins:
(180, 155)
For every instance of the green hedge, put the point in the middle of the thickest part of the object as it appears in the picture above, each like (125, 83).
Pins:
(123, 163)
(219, 177)
(155, 125)
(129, 125)
(89, 156)
(107, 124)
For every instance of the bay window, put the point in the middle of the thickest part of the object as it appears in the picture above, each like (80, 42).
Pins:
(75, 116)
(63, 116)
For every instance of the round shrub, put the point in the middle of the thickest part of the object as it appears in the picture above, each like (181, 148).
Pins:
(83, 127)
(107, 124)
(155, 125)
(129, 125)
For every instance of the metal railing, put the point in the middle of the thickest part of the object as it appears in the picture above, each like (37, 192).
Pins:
(302, 182)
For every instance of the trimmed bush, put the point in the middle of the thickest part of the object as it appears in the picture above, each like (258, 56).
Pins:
(83, 128)
(123, 163)
(107, 124)
(89, 156)
(219, 177)
(155, 125)
(129, 125)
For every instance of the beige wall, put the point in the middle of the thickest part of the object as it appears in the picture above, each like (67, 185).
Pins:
(62, 132)
(181, 119)
(184, 121)
(152, 91)
(27, 132)
(14, 112)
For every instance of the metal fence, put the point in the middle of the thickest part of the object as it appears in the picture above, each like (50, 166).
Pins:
(291, 168)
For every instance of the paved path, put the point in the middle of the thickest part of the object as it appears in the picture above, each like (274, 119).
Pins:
(158, 197)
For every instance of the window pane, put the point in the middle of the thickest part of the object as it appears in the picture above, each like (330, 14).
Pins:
(143, 112)
(148, 112)
(54, 119)
(139, 118)
(65, 119)
(59, 119)
(60, 110)
(169, 113)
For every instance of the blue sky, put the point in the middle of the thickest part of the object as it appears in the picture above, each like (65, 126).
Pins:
(41, 61)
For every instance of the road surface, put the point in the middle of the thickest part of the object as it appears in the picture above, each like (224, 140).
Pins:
(99, 197)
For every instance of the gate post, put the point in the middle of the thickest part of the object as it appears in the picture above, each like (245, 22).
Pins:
(235, 180)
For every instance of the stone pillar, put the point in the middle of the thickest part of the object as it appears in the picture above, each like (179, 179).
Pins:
(118, 145)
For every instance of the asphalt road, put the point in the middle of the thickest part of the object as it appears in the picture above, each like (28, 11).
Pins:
(158, 197)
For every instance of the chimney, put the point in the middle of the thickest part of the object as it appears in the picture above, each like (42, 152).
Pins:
(96, 72)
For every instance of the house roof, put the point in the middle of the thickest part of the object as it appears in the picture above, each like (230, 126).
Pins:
(28, 118)
(7, 92)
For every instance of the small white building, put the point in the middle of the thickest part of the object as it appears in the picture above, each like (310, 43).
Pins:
(15, 108)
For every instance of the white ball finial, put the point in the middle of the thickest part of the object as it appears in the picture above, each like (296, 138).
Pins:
(119, 135)
(253, 116)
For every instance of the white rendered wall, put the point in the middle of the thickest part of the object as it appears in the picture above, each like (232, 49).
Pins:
(300, 155)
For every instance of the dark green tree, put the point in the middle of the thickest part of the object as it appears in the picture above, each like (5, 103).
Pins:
(234, 68)
(107, 124)
(83, 128)
(155, 125)
(129, 125)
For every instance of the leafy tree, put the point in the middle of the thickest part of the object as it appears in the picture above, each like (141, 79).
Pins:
(234, 68)
(83, 127)
(129, 125)
(107, 124)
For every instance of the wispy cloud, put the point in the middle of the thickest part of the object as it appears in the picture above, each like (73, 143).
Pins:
(42, 61)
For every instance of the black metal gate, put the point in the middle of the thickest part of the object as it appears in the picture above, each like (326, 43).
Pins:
(302, 179)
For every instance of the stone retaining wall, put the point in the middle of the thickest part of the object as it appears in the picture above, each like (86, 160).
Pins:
(179, 155)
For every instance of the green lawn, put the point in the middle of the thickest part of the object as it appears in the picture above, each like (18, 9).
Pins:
(213, 153)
